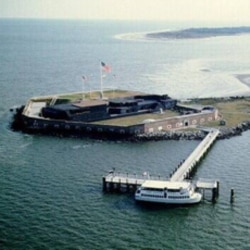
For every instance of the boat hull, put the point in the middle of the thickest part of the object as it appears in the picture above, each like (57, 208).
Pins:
(196, 198)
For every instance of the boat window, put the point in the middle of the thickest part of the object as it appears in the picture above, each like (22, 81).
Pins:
(153, 195)
(178, 197)
(152, 189)
(174, 190)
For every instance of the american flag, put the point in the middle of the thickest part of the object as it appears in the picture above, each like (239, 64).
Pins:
(106, 67)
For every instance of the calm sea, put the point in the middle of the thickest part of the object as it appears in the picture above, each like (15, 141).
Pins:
(50, 188)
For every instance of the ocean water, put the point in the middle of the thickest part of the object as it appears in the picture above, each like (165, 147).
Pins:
(51, 188)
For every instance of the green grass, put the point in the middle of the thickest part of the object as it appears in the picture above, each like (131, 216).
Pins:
(136, 119)
(107, 94)
(233, 111)
(73, 97)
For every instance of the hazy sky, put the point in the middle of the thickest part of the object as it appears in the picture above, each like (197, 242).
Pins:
(208, 10)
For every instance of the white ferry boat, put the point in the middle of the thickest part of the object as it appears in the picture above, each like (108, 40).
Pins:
(167, 192)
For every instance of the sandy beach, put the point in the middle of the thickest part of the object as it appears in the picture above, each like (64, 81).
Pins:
(244, 78)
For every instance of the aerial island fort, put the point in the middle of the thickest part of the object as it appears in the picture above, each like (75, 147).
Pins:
(122, 113)
(119, 112)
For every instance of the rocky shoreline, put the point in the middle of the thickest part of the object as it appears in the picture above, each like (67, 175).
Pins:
(225, 133)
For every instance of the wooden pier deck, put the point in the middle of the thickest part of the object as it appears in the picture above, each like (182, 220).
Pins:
(185, 168)
(120, 181)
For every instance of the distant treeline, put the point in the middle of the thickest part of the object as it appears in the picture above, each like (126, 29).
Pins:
(200, 33)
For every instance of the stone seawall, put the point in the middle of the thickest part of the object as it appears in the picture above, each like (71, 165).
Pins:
(225, 133)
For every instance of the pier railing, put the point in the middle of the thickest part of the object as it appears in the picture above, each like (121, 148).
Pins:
(123, 177)
(116, 180)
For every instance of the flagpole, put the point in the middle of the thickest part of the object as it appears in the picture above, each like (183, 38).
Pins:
(107, 69)
(83, 80)
(101, 80)
(82, 91)
(89, 92)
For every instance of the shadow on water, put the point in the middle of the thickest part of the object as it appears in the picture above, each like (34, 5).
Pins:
(122, 201)
(160, 206)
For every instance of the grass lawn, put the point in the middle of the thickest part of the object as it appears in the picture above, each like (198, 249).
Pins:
(233, 111)
(137, 119)
(107, 94)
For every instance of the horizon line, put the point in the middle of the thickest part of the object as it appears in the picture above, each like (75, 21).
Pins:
(128, 20)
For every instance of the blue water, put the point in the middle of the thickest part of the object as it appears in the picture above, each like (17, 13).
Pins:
(51, 188)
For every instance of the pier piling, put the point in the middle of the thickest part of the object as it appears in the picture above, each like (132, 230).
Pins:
(104, 186)
(232, 195)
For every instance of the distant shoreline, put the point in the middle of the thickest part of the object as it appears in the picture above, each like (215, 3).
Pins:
(195, 33)
(191, 33)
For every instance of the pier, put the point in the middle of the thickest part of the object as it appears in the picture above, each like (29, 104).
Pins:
(121, 182)
(185, 169)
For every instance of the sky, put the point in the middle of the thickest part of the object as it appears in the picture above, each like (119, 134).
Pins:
(175, 10)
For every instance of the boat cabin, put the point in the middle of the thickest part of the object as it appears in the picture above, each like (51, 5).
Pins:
(169, 192)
